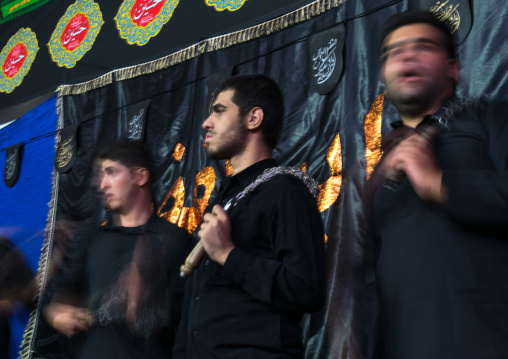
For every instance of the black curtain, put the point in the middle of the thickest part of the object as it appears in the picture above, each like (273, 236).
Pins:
(335, 136)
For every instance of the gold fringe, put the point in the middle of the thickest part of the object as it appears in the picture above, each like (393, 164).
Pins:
(297, 16)
(83, 87)
(26, 347)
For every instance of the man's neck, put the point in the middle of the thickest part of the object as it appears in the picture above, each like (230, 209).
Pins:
(247, 158)
(412, 116)
(135, 216)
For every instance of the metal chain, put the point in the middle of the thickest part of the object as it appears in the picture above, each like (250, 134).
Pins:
(269, 173)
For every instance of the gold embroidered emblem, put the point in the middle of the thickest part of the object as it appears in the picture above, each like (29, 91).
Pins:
(221, 5)
(178, 152)
(75, 33)
(372, 129)
(448, 13)
(138, 21)
(16, 59)
(65, 152)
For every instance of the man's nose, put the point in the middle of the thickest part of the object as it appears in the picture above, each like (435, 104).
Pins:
(103, 182)
(207, 124)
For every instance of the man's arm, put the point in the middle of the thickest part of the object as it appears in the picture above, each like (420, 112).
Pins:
(476, 196)
(294, 279)
(60, 299)
(67, 319)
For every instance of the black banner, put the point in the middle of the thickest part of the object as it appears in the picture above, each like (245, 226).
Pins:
(66, 58)
(12, 164)
(67, 148)
(335, 137)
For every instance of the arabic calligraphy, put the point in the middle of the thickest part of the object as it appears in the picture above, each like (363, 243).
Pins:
(144, 11)
(138, 21)
(323, 62)
(136, 125)
(15, 60)
(64, 153)
(447, 13)
(75, 32)
(10, 164)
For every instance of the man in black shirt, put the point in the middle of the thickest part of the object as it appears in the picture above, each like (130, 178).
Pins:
(264, 266)
(440, 217)
(124, 276)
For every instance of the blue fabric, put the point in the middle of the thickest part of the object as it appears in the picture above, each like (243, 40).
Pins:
(24, 206)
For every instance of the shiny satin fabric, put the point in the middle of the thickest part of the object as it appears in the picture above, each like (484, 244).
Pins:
(335, 137)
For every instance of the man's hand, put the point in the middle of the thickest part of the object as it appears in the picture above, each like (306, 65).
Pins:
(67, 319)
(415, 156)
(215, 234)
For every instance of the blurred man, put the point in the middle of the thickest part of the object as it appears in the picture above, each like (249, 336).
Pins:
(123, 278)
(16, 286)
(264, 264)
(440, 219)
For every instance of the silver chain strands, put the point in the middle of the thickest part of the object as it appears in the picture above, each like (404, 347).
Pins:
(307, 179)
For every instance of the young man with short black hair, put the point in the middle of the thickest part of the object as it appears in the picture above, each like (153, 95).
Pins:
(263, 236)
(124, 276)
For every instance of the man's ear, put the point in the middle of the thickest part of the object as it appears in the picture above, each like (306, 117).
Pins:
(454, 69)
(254, 118)
(142, 176)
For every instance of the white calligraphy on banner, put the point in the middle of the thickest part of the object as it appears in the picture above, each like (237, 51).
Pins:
(323, 62)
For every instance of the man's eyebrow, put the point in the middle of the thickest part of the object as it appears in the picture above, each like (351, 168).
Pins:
(218, 107)
(424, 40)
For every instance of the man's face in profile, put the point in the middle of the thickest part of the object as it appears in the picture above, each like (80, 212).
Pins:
(225, 130)
(116, 184)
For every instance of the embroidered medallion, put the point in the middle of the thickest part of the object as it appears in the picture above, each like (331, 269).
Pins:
(75, 33)
(456, 14)
(136, 115)
(326, 54)
(323, 62)
(16, 59)
(139, 20)
(221, 5)
(65, 154)
(11, 165)
(447, 13)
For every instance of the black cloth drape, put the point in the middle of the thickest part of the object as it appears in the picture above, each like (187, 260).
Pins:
(334, 136)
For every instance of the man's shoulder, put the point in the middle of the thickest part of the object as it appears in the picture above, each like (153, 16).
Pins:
(294, 183)
(163, 226)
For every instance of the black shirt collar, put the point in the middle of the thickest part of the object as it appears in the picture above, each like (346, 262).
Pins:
(435, 119)
(150, 225)
(248, 175)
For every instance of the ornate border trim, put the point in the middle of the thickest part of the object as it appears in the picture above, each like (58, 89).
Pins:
(27, 344)
(300, 15)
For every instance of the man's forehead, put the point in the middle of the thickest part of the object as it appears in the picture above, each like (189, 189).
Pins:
(105, 164)
(413, 33)
(224, 97)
